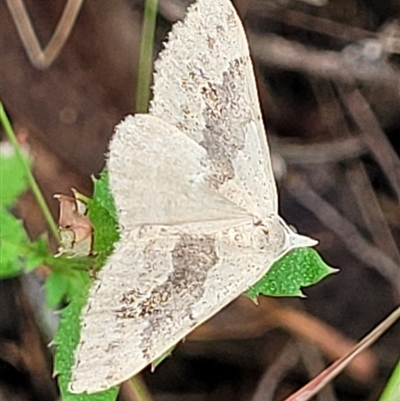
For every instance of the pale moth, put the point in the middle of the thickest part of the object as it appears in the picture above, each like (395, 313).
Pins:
(196, 201)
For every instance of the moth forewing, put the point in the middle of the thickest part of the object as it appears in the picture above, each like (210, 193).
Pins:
(196, 202)
(159, 284)
(204, 84)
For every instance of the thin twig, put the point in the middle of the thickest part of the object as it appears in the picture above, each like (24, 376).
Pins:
(319, 153)
(314, 363)
(271, 314)
(371, 211)
(319, 382)
(285, 54)
(286, 360)
(308, 22)
(373, 136)
(373, 217)
(345, 230)
(390, 209)
(39, 58)
(279, 52)
(328, 340)
(389, 36)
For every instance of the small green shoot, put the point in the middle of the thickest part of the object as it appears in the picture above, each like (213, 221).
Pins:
(392, 388)
(146, 56)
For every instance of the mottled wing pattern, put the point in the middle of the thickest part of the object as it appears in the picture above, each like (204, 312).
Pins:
(204, 85)
(196, 201)
(177, 262)
(160, 284)
(160, 176)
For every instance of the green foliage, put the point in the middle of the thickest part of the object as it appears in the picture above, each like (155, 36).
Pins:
(12, 176)
(146, 56)
(392, 389)
(102, 215)
(103, 196)
(56, 286)
(66, 340)
(18, 254)
(20, 169)
(14, 243)
(68, 278)
(300, 268)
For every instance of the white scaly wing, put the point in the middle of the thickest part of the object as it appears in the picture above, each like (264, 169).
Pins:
(204, 85)
(185, 252)
(160, 176)
(196, 203)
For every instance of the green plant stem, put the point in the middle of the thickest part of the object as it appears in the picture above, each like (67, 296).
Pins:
(392, 389)
(146, 56)
(29, 176)
(138, 389)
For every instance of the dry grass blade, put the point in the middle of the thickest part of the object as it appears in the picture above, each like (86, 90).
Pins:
(314, 363)
(374, 136)
(371, 255)
(328, 340)
(356, 175)
(278, 52)
(371, 211)
(42, 59)
(373, 218)
(319, 153)
(309, 22)
(332, 371)
(286, 360)
(271, 314)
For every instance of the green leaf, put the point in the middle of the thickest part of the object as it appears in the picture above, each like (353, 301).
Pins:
(13, 240)
(105, 231)
(300, 268)
(17, 253)
(55, 287)
(103, 195)
(67, 280)
(37, 253)
(66, 340)
(12, 175)
(102, 214)
(392, 388)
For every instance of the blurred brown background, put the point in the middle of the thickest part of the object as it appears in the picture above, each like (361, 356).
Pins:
(328, 73)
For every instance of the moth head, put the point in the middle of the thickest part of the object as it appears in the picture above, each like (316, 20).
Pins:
(281, 238)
